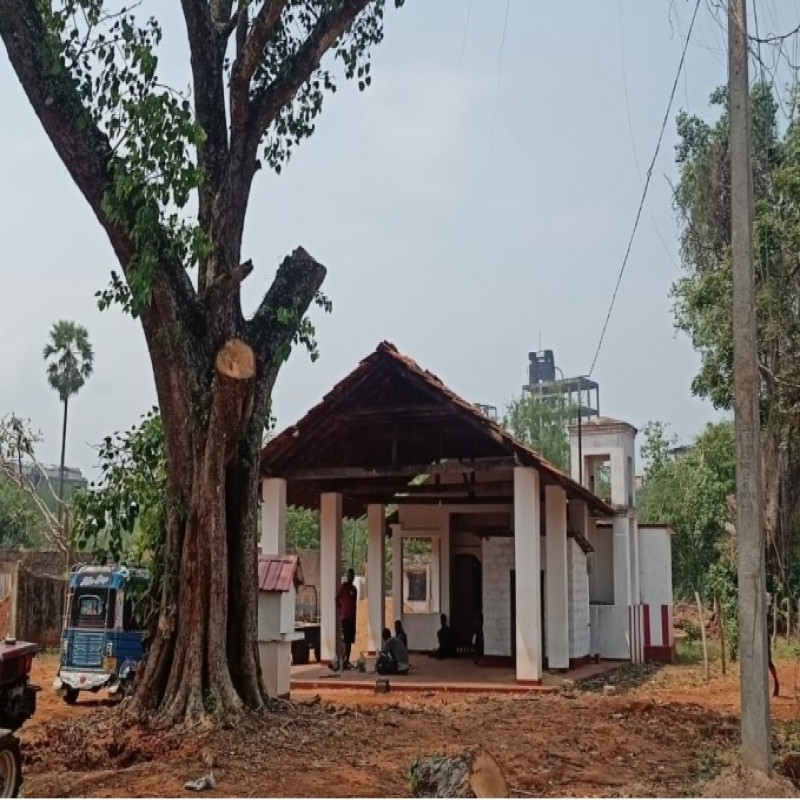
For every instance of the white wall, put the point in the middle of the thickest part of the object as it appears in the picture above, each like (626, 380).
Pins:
(655, 565)
(610, 631)
(498, 561)
(601, 579)
(579, 631)
(425, 522)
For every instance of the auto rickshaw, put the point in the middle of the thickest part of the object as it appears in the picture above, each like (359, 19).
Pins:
(101, 638)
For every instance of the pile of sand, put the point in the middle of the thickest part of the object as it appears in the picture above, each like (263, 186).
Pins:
(739, 781)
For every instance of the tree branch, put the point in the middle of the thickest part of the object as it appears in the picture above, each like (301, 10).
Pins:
(269, 101)
(207, 48)
(88, 157)
(221, 14)
(224, 286)
(296, 283)
(249, 55)
(82, 147)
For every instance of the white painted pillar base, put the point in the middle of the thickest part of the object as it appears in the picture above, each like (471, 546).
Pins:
(330, 571)
(273, 517)
(527, 565)
(275, 659)
(556, 578)
(375, 576)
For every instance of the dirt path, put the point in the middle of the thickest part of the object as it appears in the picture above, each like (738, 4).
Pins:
(663, 738)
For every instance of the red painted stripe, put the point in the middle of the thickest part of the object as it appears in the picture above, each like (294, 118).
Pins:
(646, 612)
(664, 625)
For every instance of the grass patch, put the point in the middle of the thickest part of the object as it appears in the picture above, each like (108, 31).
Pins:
(691, 652)
(709, 765)
(786, 651)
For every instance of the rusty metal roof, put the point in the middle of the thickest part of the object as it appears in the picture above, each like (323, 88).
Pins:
(390, 411)
(276, 573)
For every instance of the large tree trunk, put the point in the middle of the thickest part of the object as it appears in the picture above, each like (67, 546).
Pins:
(203, 660)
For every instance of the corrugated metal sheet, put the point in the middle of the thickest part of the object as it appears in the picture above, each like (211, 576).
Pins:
(431, 423)
(276, 573)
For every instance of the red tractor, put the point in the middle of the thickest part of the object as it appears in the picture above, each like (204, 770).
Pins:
(17, 705)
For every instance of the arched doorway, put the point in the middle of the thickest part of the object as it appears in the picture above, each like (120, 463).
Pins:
(466, 596)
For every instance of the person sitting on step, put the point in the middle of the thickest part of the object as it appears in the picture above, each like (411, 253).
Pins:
(393, 657)
(447, 642)
(400, 633)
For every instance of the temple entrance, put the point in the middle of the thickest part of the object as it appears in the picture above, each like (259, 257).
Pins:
(466, 597)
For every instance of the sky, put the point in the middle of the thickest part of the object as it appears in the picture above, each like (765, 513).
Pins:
(471, 206)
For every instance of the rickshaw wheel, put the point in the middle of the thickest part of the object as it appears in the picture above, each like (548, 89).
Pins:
(10, 766)
(71, 696)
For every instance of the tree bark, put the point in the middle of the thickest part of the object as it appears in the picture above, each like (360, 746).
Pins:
(61, 468)
(187, 674)
(471, 774)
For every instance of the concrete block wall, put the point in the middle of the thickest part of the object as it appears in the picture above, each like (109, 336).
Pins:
(498, 561)
(579, 631)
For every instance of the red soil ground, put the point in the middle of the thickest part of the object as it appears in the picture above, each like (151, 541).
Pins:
(663, 734)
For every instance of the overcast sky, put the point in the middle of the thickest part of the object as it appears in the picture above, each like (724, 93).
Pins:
(468, 207)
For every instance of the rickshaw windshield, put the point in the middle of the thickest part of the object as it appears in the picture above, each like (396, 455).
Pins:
(93, 608)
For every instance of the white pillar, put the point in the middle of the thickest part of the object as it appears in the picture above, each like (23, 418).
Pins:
(376, 520)
(330, 571)
(527, 563)
(397, 573)
(445, 563)
(273, 516)
(557, 580)
(623, 591)
(579, 617)
(436, 576)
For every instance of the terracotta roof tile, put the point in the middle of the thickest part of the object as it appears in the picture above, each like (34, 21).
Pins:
(276, 573)
(279, 453)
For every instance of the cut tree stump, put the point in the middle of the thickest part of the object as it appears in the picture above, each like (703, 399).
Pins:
(470, 774)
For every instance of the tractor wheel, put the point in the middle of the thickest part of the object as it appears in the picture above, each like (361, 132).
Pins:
(71, 696)
(10, 766)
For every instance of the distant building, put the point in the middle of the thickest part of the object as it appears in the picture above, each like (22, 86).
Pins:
(41, 474)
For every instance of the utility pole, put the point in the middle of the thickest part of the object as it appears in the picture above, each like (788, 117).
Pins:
(754, 655)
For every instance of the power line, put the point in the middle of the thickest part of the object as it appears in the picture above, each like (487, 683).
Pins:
(646, 186)
(466, 28)
(633, 138)
(499, 75)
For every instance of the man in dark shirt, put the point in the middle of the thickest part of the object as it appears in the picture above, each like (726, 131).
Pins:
(393, 657)
(346, 604)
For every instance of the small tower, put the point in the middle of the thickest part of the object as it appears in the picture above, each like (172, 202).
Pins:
(607, 448)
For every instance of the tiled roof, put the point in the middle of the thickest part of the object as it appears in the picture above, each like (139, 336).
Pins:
(276, 573)
(319, 433)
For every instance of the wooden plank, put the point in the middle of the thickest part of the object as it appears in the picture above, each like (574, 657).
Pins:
(401, 471)
(456, 490)
(427, 411)
(459, 501)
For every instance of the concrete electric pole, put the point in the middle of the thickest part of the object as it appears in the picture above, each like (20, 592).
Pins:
(754, 655)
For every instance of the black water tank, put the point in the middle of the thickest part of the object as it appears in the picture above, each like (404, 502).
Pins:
(542, 367)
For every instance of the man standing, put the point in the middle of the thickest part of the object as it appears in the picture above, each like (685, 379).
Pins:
(346, 604)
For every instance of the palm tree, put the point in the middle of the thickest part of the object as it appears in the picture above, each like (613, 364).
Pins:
(70, 358)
